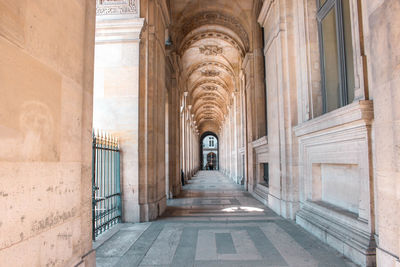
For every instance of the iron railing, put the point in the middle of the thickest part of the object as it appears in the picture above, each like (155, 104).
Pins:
(106, 192)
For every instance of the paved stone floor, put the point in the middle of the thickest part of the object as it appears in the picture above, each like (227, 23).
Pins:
(214, 223)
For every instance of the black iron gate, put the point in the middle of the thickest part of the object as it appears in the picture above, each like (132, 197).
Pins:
(106, 193)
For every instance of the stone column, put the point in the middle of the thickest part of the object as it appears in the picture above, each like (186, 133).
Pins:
(250, 117)
(116, 96)
(174, 137)
(152, 197)
(184, 135)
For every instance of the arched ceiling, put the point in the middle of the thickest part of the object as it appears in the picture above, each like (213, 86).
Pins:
(212, 38)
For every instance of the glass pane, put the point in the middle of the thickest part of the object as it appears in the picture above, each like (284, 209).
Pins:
(331, 65)
(321, 2)
(266, 173)
(349, 51)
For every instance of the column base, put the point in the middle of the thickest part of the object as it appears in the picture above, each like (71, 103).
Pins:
(176, 190)
(151, 211)
(384, 258)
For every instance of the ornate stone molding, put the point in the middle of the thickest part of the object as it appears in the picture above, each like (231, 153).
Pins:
(209, 98)
(115, 30)
(210, 88)
(260, 142)
(210, 50)
(188, 42)
(357, 111)
(213, 17)
(212, 82)
(116, 7)
(210, 63)
(210, 73)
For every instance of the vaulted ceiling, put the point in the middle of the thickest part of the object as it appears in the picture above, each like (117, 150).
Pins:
(212, 38)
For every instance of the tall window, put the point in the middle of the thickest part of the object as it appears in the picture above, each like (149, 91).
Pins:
(265, 82)
(266, 174)
(337, 69)
(211, 142)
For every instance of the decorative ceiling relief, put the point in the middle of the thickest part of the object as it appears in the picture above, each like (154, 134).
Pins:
(218, 35)
(210, 73)
(211, 64)
(210, 88)
(210, 50)
(212, 17)
(116, 7)
(210, 94)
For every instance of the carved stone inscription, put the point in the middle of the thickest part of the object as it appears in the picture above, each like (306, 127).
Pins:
(116, 7)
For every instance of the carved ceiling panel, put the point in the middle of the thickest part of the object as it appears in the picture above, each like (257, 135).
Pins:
(210, 73)
(217, 18)
(210, 50)
(211, 34)
(116, 7)
(210, 88)
(210, 63)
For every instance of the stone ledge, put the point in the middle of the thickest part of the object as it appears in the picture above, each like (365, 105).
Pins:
(118, 30)
(351, 220)
(357, 111)
(259, 142)
(262, 191)
(354, 243)
(260, 195)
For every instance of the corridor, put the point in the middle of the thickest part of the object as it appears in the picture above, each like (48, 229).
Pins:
(214, 222)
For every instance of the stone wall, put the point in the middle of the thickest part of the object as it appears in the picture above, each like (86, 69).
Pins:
(46, 73)
(321, 168)
(382, 35)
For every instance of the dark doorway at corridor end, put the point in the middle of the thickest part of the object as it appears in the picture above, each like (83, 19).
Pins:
(209, 151)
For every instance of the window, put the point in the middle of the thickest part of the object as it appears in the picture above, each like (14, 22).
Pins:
(211, 142)
(265, 83)
(266, 173)
(337, 69)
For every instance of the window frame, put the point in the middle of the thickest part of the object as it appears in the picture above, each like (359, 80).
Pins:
(322, 12)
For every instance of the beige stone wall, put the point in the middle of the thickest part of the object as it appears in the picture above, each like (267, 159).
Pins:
(46, 73)
(318, 161)
(382, 35)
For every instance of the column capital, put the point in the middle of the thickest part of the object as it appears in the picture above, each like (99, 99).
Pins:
(118, 30)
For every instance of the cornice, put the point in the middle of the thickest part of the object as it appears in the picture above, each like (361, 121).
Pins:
(118, 30)
(358, 111)
(266, 8)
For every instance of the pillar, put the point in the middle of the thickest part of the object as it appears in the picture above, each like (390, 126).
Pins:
(116, 96)
(152, 196)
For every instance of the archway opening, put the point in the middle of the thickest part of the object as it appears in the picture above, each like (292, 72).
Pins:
(209, 151)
